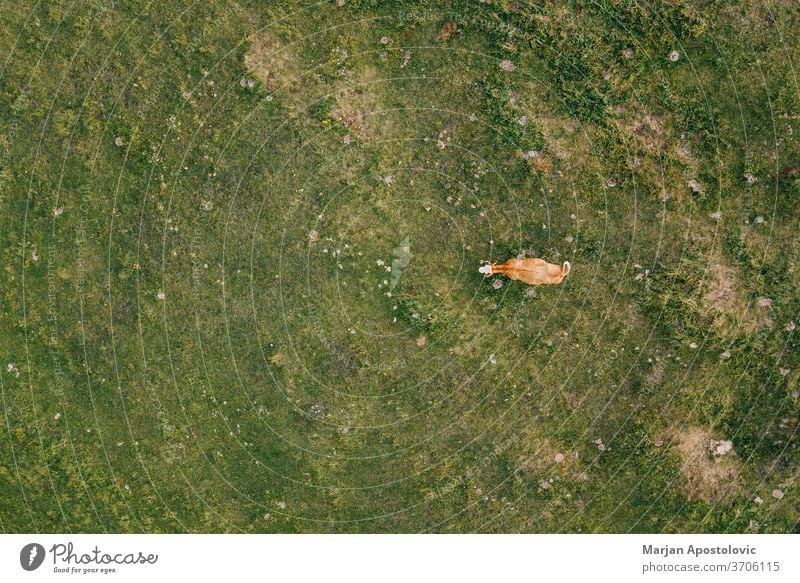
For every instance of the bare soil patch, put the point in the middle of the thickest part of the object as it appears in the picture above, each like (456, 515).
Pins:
(273, 62)
(708, 477)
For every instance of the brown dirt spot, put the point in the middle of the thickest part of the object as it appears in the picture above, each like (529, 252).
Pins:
(707, 477)
(353, 106)
(723, 293)
(345, 360)
(656, 375)
(446, 32)
(273, 63)
(647, 128)
(790, 173)
(540, 164)
(351, 110)
(562, 136)
(725, 301)
(535, 454)
(538, 456)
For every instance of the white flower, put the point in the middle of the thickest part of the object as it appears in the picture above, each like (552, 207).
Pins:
(723, 447)
(507, 65)
(161, 295)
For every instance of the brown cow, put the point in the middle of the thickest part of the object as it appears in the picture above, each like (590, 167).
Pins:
(533, 271)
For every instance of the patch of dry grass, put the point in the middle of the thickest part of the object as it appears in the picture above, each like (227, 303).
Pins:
(354, 105)
(274, 62)
(725, 300)
(707, 477)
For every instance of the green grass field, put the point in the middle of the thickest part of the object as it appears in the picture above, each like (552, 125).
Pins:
(240, 243)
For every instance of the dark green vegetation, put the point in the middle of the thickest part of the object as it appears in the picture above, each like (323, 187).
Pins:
(200, 203)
